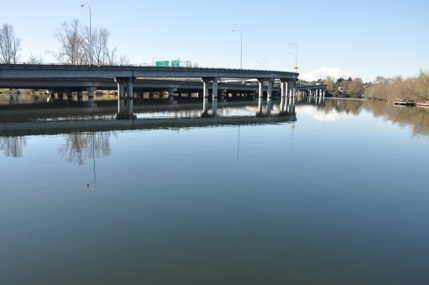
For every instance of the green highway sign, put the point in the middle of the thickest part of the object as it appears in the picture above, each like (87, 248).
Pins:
(175, 63)
(164, 63)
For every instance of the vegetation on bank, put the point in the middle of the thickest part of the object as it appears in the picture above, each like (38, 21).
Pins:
(414, 89)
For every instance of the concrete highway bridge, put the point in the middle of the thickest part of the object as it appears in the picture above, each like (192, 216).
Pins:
(171, 83)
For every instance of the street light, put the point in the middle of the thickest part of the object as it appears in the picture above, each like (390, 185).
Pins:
(260, 64)
(90, 34)
(241, 47)
(293, 59)
(296, 61)
(266, 63)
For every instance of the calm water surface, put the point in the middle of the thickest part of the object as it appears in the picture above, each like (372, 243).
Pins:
(338, 197)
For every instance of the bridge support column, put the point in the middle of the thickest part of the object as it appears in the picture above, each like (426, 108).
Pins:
(283, 96)
(269, 97)
(294, 89)
(205, 97)
(125, 82)
(121, 98)
(79, 96)
(51, 95)
(130, 97)
(214, 98)
(291, 109)
(260, 97)
(171, 96)
(91, 91)
(69, 96)
(60, 95)
(253, 96)
(222, 95)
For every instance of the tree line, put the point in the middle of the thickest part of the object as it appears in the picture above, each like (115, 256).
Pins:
(414, 89)
(76, 42)
(344, 87)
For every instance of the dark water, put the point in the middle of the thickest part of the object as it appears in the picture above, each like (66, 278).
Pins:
(338, 197)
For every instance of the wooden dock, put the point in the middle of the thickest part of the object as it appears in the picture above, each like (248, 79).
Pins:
(404, 103)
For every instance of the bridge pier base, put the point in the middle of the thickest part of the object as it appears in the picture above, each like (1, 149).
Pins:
(205, 97)
(222, 96)
(260, 97)
(171, 96)
(91, 103)
(283, 97)
(269, 97)
(214, 98)
(125, 82)
(79, 96)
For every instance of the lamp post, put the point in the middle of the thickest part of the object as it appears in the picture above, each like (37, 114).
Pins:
(241, 47)
(293, 59)
(260, 64)
(90, 34)
(296, 61)
(266, 63)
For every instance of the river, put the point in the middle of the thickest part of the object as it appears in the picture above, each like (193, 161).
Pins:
(339, 196)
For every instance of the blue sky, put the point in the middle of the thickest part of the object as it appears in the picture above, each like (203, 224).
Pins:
(340, 38)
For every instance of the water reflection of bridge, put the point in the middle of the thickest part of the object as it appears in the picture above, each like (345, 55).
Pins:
(70, 126)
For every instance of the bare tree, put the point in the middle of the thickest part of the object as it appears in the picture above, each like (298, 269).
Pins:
(9, 45)
(71, 49)
(124, 60)
(76, 45)
(35, 59)
(101, 53)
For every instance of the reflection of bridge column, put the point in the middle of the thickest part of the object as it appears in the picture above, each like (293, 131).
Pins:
(214, 98)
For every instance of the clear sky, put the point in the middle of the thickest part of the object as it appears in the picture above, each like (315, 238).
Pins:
(340, 38)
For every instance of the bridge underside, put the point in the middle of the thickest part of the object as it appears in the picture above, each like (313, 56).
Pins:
(129, 83)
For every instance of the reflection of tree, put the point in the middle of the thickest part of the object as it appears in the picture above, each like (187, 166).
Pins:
(341, 105)
(416, 117)
(12, 146)
(88, 145)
